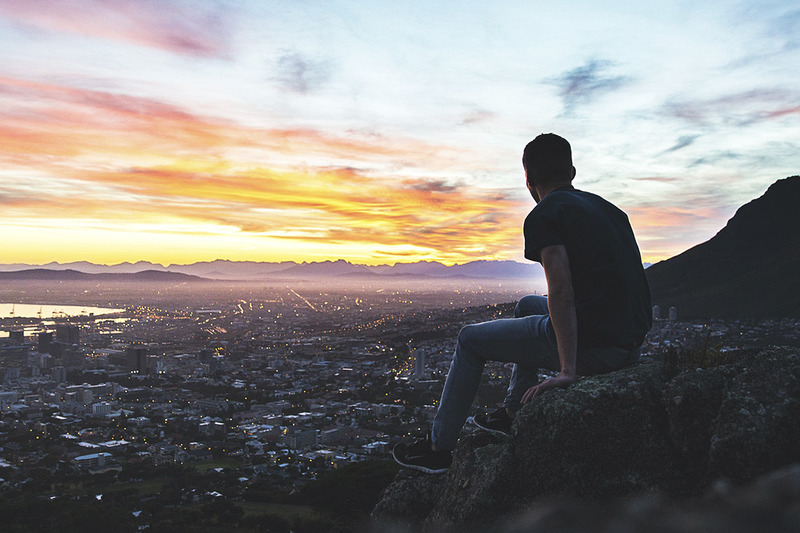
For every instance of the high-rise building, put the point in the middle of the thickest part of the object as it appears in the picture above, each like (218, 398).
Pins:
(68, 334)
(58, 374)
(85, 395)
(419, 363)
(71, 356)
(137, 359)
(45, 342)
(16, 337)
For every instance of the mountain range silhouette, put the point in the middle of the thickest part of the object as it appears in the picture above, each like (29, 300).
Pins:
(287, 270)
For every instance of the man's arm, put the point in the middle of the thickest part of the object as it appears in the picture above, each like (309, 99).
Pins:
(561, 302)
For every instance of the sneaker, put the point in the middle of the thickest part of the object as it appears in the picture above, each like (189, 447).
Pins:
(497, 423)
(419, 456)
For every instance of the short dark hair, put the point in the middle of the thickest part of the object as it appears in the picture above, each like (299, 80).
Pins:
(550, 156)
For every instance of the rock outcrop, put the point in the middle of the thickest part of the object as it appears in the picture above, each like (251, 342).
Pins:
(629, 434)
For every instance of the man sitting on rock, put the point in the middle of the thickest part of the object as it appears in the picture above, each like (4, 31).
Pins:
(594, 319)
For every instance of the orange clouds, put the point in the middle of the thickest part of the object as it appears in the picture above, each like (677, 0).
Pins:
(665, 231)
(104, 160)
(667, 216)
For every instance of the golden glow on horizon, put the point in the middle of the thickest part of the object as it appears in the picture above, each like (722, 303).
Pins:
(106, 178)
(112, 179)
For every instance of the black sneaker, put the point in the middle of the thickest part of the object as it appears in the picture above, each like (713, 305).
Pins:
(497, 423)
(419, 456)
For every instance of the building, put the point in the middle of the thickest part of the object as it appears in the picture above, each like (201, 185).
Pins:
(45, 342)
(7, 399)
(16, 337)
(58, 374)
(210, 428)
(11, 374)
(101, 409)
(333, 436)
(419, 362)
(93, 461)
(67, 334)
(137, 359)
(300, 439)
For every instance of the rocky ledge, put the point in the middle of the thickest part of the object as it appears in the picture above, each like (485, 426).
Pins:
(636, 435)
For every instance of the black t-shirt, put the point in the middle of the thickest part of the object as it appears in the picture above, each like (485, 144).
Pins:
(612, 298)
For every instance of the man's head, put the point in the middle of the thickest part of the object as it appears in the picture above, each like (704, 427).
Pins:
(547, 161)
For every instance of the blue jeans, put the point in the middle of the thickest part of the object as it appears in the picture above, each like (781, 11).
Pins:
(526, 340)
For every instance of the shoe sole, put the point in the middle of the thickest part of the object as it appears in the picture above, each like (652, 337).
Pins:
(497, 432)
(419, 468)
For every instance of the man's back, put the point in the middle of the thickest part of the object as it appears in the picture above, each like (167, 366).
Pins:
(612, 298)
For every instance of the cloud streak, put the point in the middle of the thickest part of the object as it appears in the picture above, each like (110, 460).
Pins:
(300, 74)
(583, 84)
(682, 142)
(737, 109)
(187, 28)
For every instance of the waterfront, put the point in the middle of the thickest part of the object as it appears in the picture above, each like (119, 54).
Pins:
(17, 310)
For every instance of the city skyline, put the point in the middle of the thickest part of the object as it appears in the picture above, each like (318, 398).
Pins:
(177, 132)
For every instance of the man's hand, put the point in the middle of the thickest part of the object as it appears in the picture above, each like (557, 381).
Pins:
(562, 380)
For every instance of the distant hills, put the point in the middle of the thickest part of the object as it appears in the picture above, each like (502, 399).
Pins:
(750, 269)
(44, 274)
(263, 271)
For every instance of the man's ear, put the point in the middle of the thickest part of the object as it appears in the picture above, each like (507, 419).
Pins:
(574, 172)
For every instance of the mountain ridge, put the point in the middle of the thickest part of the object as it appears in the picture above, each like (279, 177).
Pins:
(747, 270)
(224, 270)
(44, 274)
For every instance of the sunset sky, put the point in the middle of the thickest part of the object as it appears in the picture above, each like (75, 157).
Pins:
(176, 131)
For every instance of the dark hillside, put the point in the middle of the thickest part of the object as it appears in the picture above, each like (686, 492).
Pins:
(750, 269)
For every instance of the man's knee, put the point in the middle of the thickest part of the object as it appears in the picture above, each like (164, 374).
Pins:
(522, 307)
(467, 333)
(530, 305)
(472, 339)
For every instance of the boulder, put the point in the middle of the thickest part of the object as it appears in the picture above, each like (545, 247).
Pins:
(756, 429)
(768, 504)
(630, 433)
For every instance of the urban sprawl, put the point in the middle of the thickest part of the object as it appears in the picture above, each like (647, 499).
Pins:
(275, 389)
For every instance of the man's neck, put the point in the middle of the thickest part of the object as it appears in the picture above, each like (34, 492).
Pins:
(544, 191)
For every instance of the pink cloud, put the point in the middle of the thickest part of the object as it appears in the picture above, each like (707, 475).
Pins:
(180, 27)
(738, 108)
(659, 179)
(783, 112)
